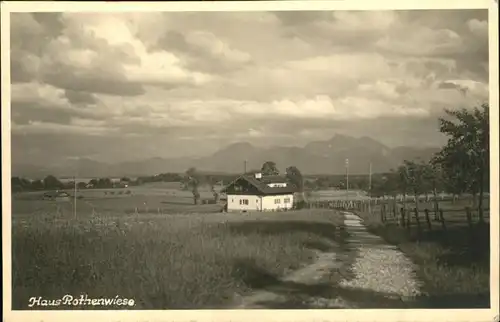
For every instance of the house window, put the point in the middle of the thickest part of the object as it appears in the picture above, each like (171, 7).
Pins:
(286, 200)
(277, 201)
(244, 202)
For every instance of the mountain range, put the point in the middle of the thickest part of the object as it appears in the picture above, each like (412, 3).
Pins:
(317, 157)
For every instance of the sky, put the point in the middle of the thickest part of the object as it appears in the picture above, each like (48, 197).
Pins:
(127, 86)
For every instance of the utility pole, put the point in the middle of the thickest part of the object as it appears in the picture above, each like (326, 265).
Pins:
(370, 190)
(347, 179)
(74, 202)
(245, 167)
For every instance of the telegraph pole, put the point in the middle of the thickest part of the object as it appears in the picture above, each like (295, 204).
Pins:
(370, 190)
(245, 167)
(347, 179)
(74, 202)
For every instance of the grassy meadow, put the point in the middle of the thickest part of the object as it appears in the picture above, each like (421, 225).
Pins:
(453, 262)
(186, 256)
(159, 197)
(150, 243)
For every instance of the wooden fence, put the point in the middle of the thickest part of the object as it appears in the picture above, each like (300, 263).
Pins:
(353, 205)
(389, 212)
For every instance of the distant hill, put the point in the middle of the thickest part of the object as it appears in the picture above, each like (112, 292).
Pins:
(318, 157)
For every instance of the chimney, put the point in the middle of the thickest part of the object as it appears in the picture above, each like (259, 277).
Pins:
(258, 175)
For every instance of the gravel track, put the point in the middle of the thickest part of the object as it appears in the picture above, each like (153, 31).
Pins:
(379, 275)
(379, 267)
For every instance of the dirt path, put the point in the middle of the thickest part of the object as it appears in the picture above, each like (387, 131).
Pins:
(378, 267)
(367, 273)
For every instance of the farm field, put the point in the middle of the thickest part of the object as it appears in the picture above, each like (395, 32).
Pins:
(156, 198)
(163, 262)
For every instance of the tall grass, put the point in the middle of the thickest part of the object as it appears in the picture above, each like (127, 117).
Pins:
(162, 262)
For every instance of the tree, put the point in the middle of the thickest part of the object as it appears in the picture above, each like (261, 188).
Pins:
(104, 183)
(415, 176)
(466, 155)
(212, 181)
(436, 178)
(403, 183)
(269, 168)
(20, 184)
(81, 185)
(390, 187)
(294, 175)
(51, 182)
(193, 179)
(93, 183)
(37, 185)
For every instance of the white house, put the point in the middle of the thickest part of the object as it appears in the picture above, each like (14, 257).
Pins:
(259, 193)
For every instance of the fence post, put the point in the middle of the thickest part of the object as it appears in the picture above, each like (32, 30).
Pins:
(408, 222)
(441, 218)
(469, 216)
(382, 214)
(402, 221)
(428, 219)
(469, 223)
(417, 219)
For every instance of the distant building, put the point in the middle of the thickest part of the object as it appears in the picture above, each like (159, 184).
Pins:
(56, 195)
(259, 193)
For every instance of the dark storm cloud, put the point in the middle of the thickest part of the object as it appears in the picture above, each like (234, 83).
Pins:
(203, 51)
(93, 83)
(19, 70)
(447, 85)
(297, 18)
(24, 113)
(76, 97)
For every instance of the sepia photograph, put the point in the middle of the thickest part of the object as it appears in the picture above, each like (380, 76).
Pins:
(267, 159)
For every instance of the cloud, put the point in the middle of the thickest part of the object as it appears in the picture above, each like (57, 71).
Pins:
(364, 21)
(76, 97)
(160, 77)
(423, 42)
(37, 127)
(450, 85)
(94, 53)
(478, 27)
(202, 50)
(467, 87)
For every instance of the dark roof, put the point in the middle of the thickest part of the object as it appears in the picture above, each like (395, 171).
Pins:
(262, 184)
(269, 179)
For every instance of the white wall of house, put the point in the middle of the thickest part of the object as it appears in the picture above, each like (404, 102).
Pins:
(243, 202)
(270, 203)
(256, 203)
